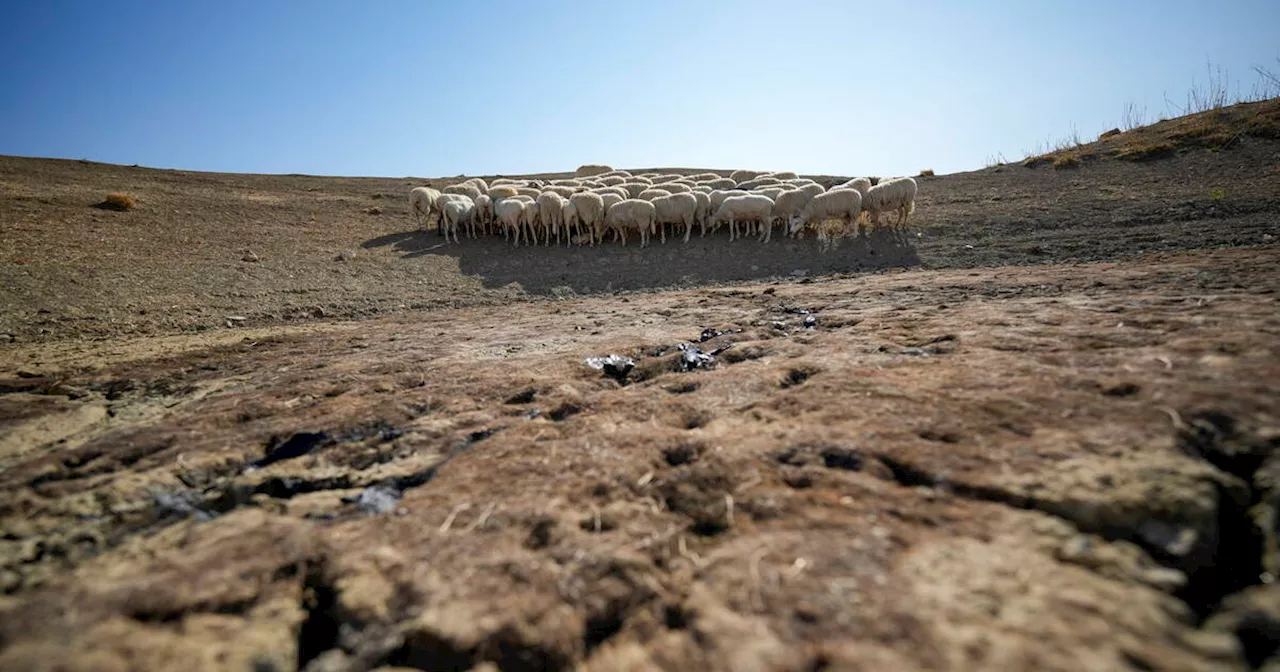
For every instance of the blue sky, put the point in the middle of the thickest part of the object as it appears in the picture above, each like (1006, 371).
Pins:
(434, 88)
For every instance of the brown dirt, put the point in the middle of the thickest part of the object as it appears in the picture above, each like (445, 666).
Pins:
(988, 464)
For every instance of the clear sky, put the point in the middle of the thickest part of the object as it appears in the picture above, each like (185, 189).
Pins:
(436, 88)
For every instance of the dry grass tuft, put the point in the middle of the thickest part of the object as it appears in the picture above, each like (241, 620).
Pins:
(118, 200)
(1066, 161)
(928, 172)
(1146, 152)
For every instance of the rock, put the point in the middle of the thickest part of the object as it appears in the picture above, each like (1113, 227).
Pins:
(376, 499)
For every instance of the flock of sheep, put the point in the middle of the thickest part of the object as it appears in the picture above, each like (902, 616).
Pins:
(599, 200)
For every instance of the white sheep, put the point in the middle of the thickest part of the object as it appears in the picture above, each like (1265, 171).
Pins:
(587, 170)
(721, 183)
(551, 210)
(652, 193)
(569, 219)
(703, 212)
(790, 204)
(588, 209)
(468, 190)
(615, 173)
(861, 184)
(445, 198)
(897, 195)
(509, 212)
(759, 182)
(772, 192)
(677, 187)
(717, 198)
(743, 175)
(678, 209)
(743, 208)
(663, 179)
(611, 180)
(617, 191)
(532, 222)
(782, 175)
(484, 213)
(633, 189)
(456, 213)
(609, 201)
(531, 192)
(501, 191)
(842, 204)
(422, 203)
(567, 183)
(631, 214)
(478, 183)
(640, 178)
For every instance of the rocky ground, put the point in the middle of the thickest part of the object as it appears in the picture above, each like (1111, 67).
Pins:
(1050, 450)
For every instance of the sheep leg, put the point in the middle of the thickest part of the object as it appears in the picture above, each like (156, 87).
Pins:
(688, 229)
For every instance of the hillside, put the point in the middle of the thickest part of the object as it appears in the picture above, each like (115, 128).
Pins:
(251, 424)
(203, 246)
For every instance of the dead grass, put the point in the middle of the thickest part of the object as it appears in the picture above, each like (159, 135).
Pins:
(1213, 130)
(928, 172)
(1066, 161)
(1213, 116)
(118, 200)
(1146, 152)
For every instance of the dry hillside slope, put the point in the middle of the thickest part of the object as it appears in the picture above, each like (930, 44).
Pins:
(250, 425)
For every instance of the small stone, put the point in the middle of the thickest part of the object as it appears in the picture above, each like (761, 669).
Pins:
(249, 256)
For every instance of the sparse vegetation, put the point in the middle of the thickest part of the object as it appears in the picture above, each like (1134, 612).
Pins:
(1210, 118)
(994, 160)
(1217, 194)
(118, 200)
(928, 172)
(1133, 117)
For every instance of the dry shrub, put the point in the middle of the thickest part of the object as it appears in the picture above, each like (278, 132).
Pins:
(1108, 134)
(118, 200)
(928, 172)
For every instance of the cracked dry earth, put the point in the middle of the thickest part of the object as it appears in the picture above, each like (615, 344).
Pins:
(1039, 468)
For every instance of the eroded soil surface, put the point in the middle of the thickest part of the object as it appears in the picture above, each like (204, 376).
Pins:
(1042, 467)
(262, 423)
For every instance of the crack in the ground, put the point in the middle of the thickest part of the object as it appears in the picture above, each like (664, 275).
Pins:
(320, 629)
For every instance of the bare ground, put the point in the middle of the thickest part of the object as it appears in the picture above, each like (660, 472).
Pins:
(1052, 450)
